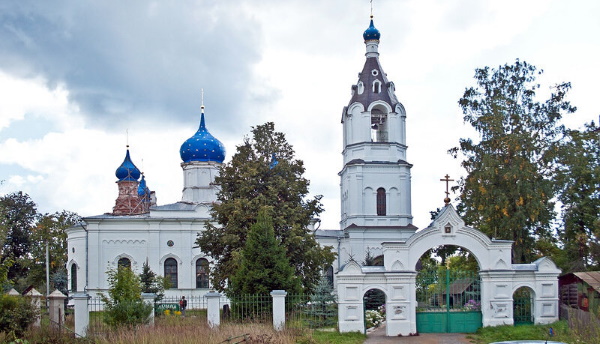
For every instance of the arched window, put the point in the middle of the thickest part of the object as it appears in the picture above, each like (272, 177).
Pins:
(330, 275)
(124, 263)
(171, 271)
(381, 205)
(74, 277)
(376, 86)
(202, 271)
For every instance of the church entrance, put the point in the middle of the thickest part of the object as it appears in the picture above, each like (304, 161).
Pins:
(374, 308)
(473, 287)
(448, 291)
(448, 301)
(522, 306)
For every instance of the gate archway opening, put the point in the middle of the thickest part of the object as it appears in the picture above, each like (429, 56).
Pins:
(523, 312)
(374, 307)
(448, 291)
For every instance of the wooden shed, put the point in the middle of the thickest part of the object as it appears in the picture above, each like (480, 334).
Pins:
(581, 290)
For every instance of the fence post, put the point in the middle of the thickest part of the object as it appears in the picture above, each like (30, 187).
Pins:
(36, 302)
(57, 308)
(213, 309)
(278, 309)
(148, 298)
(82, 314)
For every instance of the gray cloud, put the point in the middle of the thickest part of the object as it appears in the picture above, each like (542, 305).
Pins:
(135, 60)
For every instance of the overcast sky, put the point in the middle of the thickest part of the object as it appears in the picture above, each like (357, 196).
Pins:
(76, 75)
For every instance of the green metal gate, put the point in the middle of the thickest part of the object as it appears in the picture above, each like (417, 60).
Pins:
(448, 301)
(522, 313)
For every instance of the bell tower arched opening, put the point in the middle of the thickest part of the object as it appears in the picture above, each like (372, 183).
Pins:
(379, 124)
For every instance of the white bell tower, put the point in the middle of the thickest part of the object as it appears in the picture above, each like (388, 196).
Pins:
(375, 178)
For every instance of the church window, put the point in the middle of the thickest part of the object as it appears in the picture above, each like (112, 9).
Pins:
(376, 86)
(361, 87)
(329, 275)
(74, 277)
(171, 271)
(202, 270)
(124, 263)
(381, 202)
(374, 72)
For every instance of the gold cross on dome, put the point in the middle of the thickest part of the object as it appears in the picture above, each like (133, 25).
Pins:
(447, 180)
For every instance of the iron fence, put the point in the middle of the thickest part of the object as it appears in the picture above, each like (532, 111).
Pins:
(97, 327)
(304, 311)
(244, 308)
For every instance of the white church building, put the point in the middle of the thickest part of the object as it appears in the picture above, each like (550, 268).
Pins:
(375, 192)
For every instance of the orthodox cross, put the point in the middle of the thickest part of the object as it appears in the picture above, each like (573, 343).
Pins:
(447, 180)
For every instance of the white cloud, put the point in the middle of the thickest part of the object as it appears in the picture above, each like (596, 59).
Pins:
(290, 62)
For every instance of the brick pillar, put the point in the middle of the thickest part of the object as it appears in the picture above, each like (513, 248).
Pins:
(278, 309)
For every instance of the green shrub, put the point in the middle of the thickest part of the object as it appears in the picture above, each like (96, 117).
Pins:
(128, 313)
(125, 307)
(16, 314)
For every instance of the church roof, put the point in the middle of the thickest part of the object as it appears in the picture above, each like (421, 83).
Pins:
(373, 84)
(127, 171)
(371, 33)
(202, 146)
(371, 73)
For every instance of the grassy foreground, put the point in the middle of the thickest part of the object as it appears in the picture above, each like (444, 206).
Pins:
(560, 329)
(192, 330)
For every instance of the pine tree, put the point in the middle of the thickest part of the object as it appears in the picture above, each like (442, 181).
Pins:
(323, 307)
(150, 282)
(264, 266)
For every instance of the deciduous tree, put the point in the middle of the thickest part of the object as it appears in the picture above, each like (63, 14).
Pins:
(18, 216)
(508, 191)
(578, 183)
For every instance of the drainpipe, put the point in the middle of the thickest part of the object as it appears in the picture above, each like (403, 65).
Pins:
(86, 256)
(339, 239)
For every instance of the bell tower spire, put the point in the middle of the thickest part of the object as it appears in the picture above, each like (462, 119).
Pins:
(375, 177)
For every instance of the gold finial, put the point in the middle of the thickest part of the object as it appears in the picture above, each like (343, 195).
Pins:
(202, 96)
(371, 9)
(447, 180)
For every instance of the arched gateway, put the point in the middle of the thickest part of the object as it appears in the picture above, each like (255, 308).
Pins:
(397, 278)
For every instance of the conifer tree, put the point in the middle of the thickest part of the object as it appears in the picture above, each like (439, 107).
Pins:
(323, 307)
(264, 266)
(264, 172)
(150, 282)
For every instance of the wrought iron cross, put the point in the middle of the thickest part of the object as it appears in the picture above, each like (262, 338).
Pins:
(447, 180)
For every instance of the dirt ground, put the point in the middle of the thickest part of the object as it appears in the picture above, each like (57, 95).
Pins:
(378, 337)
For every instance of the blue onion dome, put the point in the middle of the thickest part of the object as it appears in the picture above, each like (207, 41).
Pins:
(143, 189)
(202, 146)
(127, 170)
(371, 33)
